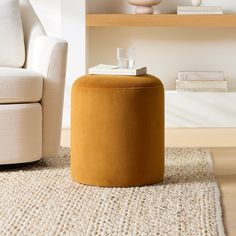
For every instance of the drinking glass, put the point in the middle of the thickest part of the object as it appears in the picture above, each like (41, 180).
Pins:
(126, 57)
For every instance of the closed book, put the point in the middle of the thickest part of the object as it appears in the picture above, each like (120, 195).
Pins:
(201, 75)
(201, 86)
(199, 10)
(115, 70)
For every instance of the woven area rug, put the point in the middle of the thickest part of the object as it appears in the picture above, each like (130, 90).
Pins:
(41, 199)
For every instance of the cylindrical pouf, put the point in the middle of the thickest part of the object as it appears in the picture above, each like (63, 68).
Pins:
(117, 130)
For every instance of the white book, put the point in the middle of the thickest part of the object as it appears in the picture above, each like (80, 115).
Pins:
(201, 86)
(199, 10)
(201, 75)
(102, 69)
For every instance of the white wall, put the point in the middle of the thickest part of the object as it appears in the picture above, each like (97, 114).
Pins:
(74, 32)
(49, 12)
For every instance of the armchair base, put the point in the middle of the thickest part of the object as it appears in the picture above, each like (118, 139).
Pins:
(21, 133)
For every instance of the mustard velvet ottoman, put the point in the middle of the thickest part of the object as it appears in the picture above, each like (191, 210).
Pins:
(117, 130)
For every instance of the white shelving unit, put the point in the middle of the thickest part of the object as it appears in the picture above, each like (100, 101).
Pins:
(200, 110)
(211, 113)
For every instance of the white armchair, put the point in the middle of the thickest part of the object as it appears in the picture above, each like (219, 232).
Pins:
(31, 98)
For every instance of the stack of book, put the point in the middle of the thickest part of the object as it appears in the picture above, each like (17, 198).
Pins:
(210, 81)
(199, 10)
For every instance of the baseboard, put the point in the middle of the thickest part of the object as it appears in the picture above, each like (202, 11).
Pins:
(187, 137)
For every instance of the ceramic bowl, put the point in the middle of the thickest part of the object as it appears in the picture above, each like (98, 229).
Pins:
(144, 6)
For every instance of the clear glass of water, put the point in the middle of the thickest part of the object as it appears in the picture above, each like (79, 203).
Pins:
(126, 57)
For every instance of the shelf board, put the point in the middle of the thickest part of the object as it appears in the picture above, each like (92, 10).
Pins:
(163, 20)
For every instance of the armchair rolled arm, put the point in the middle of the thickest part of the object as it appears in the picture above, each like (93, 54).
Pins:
(48, 56)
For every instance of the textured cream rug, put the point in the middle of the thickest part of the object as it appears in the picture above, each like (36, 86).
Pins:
(41, 199)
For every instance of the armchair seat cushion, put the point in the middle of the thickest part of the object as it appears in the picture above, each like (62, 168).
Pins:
(19, 85)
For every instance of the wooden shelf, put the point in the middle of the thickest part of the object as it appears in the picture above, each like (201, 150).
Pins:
(170, 20)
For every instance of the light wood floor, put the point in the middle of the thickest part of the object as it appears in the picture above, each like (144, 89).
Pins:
(225, 171)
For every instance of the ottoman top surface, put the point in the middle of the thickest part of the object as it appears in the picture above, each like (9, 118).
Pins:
(111, 81)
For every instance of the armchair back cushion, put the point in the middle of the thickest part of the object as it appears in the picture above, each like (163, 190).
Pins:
(12, 48)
